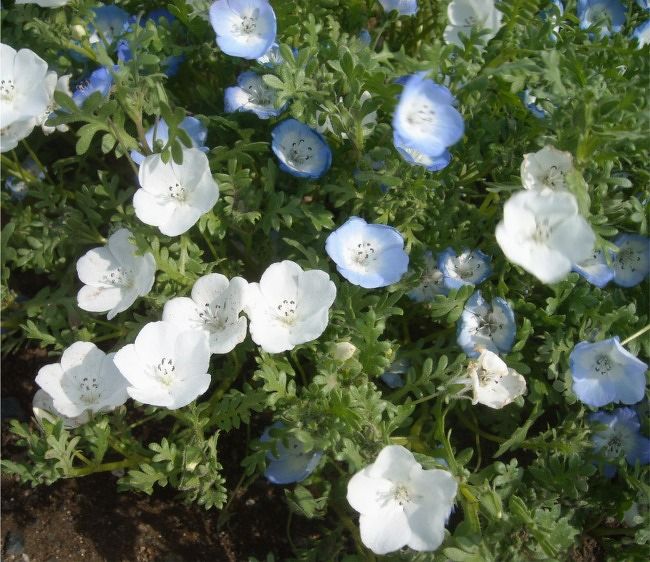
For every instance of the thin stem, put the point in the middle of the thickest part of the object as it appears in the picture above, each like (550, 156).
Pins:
(106, 467)
(425, 398)
(210, 245)
(127, 153)
(636, 335)
(35, 158)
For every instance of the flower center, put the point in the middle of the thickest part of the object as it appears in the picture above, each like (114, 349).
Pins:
(465, 267)
(89, 390)
(614, 446)
(470, 21)
(165, 371)
(542, 231)
(211, 318)
(287, 311)
(554, 177)
(119, 277)
(603, 365)
(177, 192)
(627, 258)
(422, 117)
(299, 152)
(432, 278)
(401, 494)
(488, 325)
(7, 89)
(247, 25)
(259, 94)
(364, 253)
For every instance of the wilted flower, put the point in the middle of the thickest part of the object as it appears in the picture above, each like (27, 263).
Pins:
(416, 158)
(605, 372)
(403, 7)
(642, 33)
(174, 196)
(631, 263)
(43, 408)
(289, 306)
(620, 437)
(166, 366)
(302, 151)
(467, 15)
(401, 503)
(253, 95)
(486, 325)
(544, 233)
(546, 169)
(432, 282)
(158, 135)
(471, 267)
(114, 275)
(214, 308)
(591, 12)
(368, 255)
(85, 379)
(244, 28)
(493, 383)
(291, 463)
(100, 80)
(595, 269)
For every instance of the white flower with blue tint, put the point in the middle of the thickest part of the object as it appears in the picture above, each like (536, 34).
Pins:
(620, 437)
(393, 377)
(214, 308)
(289, 306)
(100, 80)
(253, 95)
(114, 275)
(546, 169)
(610, 13)
(471, 267)
(543, 232)
(595, 269)
(403, 7)
(244, 28)
(289, 462)
(272, 57)
(12, 134)
(158, 136)
(108, 24)
(43, 408)
(493, 383)
(368, 255)
(530, 101)
(166, 366)
(432, 282)
(302, 151)
(643, 4)
(416, 158)
(642, 34)
(174, 196)
(605, 372)
(484, 325)
(468, 15)
(400, 503)
(631, 263)
(85, 379)
(425, 118)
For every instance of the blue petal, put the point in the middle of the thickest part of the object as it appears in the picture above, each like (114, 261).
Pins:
(301, 151)
(403, 7)
(590, 11)
(100, 80)
(414, 157)
(631, 263)
(595, 270)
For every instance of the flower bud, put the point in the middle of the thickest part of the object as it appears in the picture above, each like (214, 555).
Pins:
(343, 351)
(78, 31)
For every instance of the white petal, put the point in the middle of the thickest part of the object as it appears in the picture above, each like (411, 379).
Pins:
(181, 311)
(209, 288)
(394, 463)
(365, 493)
(93, 266)
(385, 530)
(98, 299)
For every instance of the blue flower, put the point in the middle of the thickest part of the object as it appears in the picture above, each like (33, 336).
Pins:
(368, 255)
(471, 267)
(272, 57)
(110, 22)
(632, 261)
(416, 158)
(302, 151)
(158, 135)
(605, 372)
(244, 28)
(643, 4)
(393, 377)
(17, 185)
(486, 325)
(431, 283)
(425, 118)
(591, 12)
(253, 95)
(620, 437)
(530, 101)
(100, 80)
(595, 269)
(291, 463)
(550, 14)
(642, 33)
(364, 37)
(403, 7)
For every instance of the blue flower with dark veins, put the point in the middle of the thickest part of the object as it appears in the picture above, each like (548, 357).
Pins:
(301, 151)
(631, 263)
(100, 80)
(432, 282)
(595, 269)
(290, 462)
(471, 267)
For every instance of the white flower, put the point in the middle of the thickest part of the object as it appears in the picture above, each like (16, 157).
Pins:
(400, 503)
(544, 233)
(289, 306)
(11, 134)
(493, 383)
(546, 169)
(85, 379)
(166, 366)
(44, 3)
(114, 276)
(214, 308)
(43, 408)
(465, 15)
(58, 84)
(174, 196)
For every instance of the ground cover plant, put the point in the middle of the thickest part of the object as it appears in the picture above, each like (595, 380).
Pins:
(397, 248)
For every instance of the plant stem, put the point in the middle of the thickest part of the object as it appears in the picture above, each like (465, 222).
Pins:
(636, 335)
(424, 399)
(105, 467)
(35, 158)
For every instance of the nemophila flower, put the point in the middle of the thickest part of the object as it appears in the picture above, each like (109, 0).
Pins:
(620, 437)
(301, 151)
(289, 462)
(365, 37)
(631, 263)
(174, 196)
(272, 57)
(100, 80)
(550, 13)
(604, 372)
(400, 503)
(55, 84)
(642, 34)
(467, 15)
(85, 379)
(544, 233)
(166, 366)
(45, 3)
(425, 118)
(591, 12)
(342, 351)
(289, 306)
(643, 4)
(12, 134)
(253, 95)
(18, 185)
(114, 276)
(432, 282)
(158, 136)
(484, 325)
(244, 28)
(471, 267)
(403, 7)
(393, 377)
(416, 158)
(595, 269)
(214, 308)
(530, 101)
(546, 169)
(43, 408)
(109, 22)
(493, 383)
(368, 255)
